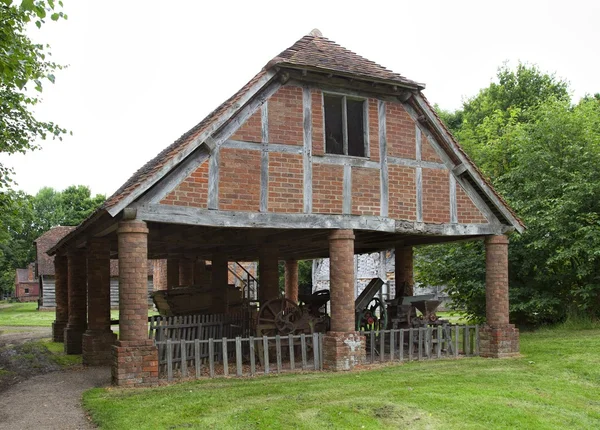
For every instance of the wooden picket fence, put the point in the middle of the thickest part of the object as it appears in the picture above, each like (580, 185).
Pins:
(240, 356)
(422, 343)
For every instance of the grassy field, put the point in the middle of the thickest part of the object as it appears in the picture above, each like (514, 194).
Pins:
(26, 314)
(555, 384)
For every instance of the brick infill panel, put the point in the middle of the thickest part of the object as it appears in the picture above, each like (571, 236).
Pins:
(135, 363)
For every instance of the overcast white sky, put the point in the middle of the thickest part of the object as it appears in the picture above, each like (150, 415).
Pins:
(141, 73)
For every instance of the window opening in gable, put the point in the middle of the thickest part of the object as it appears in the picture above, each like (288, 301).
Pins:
(344, 125)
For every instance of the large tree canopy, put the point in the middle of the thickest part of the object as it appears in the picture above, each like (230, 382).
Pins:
(24, 68)
(24, 218)
(542, 154)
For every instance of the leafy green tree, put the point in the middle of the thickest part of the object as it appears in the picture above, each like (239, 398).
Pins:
(77, 204)
(24, 68)
(553, 182)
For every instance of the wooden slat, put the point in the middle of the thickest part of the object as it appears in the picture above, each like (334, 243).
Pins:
(392, 344)
(184, 370)
(225, 357)
(411, 343)
(291, 346)
(211, 357)
(303, 348)
(477, 340)
(381, 345)
(197, 359)
(372, 346)
(252, 356)
(278, 352)
(169, 360)
(438, 346)
(238, 356)
(456, 335)
(420, 334)
(316, 354)
(266, 354)
(401, 346)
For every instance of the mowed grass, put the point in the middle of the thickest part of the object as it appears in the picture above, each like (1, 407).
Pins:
(27, 315)
(555, 384)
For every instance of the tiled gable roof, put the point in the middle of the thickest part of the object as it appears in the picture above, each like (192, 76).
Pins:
(45, 263)
(317, 52)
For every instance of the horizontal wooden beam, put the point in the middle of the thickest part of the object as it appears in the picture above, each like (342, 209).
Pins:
(235, 219)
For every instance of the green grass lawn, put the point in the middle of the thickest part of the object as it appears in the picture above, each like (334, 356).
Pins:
(555, 384)
(26, 314)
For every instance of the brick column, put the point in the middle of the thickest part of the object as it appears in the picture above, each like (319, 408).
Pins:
(404, 281)
(291, 280)
(172, 273)
(61, 291)
(343, 346)
(77, 286)
(99, 338)
(186, 272)
(498, 338)
(268, 273)
(135, 358)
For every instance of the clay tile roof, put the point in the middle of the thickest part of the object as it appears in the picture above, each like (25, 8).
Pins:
(44, 243)
(22, 275)
(317, 52)
(312, 51)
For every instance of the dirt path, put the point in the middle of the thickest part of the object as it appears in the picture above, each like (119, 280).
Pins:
(23, 334)
(51, 401)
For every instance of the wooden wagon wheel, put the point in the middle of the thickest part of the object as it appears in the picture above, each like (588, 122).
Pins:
(278, 317)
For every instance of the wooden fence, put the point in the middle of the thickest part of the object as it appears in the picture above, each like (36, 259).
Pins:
(239, 356)
(422, 343)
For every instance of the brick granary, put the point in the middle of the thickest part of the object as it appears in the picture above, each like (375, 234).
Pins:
(322, 154)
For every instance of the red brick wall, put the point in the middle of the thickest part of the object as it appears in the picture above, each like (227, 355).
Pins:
(427, 151)
(374, 129)
(466, 210)
(318, 132)
(285, 183)
(400, 132)
(402, 192)
(365, 191)
(285, 116)
(436, 196)
(193, 191)
(239, 184)
(251, 130)
(328, 188)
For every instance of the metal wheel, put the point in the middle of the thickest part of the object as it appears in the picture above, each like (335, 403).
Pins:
(373, 317)
(278, 317)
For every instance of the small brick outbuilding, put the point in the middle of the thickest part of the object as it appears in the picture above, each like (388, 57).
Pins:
(322, 154)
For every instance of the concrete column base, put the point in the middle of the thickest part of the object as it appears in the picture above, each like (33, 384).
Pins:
(499, 342)
(97, 347)
(58, 331)
(135, 363)
(72, 338)
(343, 350)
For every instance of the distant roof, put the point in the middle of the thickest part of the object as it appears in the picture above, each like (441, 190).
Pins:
(23, 277)
(45, 263)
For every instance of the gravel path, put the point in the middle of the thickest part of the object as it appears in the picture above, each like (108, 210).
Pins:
(51, 401)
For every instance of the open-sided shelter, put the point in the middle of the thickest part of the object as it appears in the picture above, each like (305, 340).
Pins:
(322, 154)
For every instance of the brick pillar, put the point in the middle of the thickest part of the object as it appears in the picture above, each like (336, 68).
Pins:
(172, 273)
(268, 273)
(186, 272)
(498, 338)
(135, 358)
(99, 338)
(343, 346)
(159, 275)
(291, 280)
(61, 291)
(404, 281)
(77, 286)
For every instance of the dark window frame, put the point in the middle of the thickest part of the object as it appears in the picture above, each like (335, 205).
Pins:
(365, 116)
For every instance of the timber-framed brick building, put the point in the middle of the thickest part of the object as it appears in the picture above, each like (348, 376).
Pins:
(322, 154)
